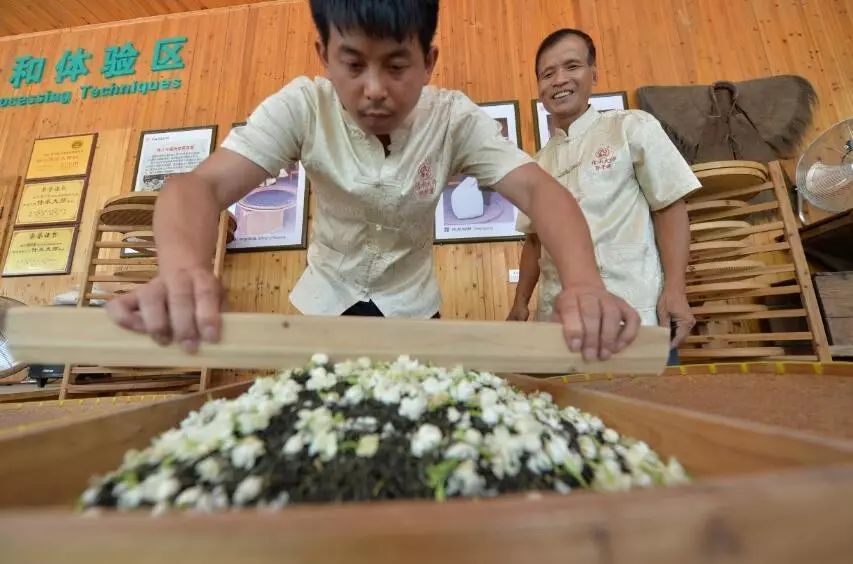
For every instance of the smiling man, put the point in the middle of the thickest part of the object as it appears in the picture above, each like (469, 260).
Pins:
(377, 145)
(629, 180)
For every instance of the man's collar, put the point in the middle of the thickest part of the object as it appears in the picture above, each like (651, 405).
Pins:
(581, 125)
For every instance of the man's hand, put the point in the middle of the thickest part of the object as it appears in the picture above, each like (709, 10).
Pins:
(595, 321)
(519, 312)
(182, 306)
(673, 308)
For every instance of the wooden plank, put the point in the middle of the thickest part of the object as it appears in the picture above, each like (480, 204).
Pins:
(125, 262)
(835, 292)
(739, 233)
(717, 287)
(840, 330)
(740, 352)
(745, 193)
(760, 293)
(741, 337)
(123, 228)
(749, 520)
(771, 314)
(804, 279)
(766, 271)
(86, 335)
(714, 205)
(737, 212)
(718, 229)
(114, 387)
(125, 245)
(127, 276)
(746, 250)
(33, 395)
(713, 309)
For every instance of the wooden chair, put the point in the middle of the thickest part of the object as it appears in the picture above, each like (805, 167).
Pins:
(122, 255)
(748, 281)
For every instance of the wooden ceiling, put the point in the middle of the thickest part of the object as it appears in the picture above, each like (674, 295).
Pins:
(28, 16)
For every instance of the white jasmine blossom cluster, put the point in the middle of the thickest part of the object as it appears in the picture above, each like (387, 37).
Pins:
(345, 431)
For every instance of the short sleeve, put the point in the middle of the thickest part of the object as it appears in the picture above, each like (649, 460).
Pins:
(479, 148)
(273, 135)
(523, 224)
(663, 174)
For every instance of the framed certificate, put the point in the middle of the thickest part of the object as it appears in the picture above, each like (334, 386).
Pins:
(602, 102)
(56, 157)
(51, 202)
(468, 212)
(165, 152)
(43, 251)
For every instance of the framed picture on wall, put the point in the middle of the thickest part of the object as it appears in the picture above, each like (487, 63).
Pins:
(43, 251)
(57, 157)
(51, 202)
(468, 212)
(273, 216)
(165, 152)
(602, 102)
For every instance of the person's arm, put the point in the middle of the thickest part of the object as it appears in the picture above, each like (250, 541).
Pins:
(672, 233)
(594, 320)
(183, 302)
(528, 276)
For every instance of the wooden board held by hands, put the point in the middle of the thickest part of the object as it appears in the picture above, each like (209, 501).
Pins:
(251, 340)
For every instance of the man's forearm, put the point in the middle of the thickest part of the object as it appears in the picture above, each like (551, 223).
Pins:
(185, 221)
(528, 274)
(672, 233)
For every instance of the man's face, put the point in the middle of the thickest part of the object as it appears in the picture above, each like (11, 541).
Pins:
(379, 81)
(566, 79)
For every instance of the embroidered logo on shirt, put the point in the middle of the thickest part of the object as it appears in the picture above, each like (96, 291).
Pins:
(425, 182)
(604, 158)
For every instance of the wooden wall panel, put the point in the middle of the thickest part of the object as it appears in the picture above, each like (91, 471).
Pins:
(237, 56)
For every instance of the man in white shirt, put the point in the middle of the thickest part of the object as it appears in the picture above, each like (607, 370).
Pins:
(378, 145)
(629, 180)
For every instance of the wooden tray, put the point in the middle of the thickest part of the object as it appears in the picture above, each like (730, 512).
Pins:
(727, 178)
(722, 290)
(717, 165)
(718, 229)
(127, 214)
(143, 198)
(714, 205)
(741, 493)
(715, 267)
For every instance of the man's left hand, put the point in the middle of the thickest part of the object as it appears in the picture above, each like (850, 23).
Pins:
(595, 322)
(674, 309)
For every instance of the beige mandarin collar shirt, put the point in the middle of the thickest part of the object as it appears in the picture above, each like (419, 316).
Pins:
(374, 218)
(620, 166)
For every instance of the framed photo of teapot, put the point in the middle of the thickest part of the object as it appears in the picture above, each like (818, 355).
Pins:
(468, 212)
(273, 216)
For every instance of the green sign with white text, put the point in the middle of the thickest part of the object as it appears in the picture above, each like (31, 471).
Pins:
(119, 61)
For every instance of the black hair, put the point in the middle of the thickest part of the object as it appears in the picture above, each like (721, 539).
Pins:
(399, 19)
(561, 34)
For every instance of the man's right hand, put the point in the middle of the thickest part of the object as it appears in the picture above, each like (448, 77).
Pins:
(182, 306)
